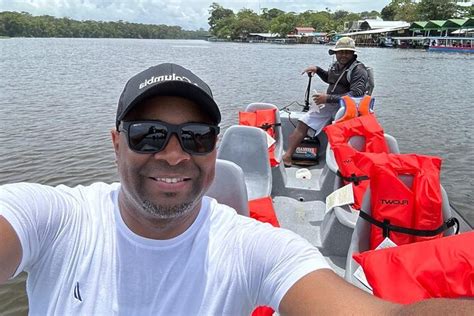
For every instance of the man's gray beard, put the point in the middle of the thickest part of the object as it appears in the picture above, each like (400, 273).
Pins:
(162, 212)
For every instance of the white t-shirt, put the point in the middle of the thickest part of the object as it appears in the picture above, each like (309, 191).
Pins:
(81, 258)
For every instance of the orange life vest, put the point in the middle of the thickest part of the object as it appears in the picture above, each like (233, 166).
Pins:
(264, 119)
(353, 108)
(410, 273)
(394, 203)
(339, 135)
(262, 210)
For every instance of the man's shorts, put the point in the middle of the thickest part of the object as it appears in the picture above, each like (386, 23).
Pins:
(317, 120)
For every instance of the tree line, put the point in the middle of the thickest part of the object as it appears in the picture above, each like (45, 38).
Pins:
(224, 23)
(15, 24)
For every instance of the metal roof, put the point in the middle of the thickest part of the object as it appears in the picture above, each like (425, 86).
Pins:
(375, 31)
(435, 24)
(265, 34)
(378, 24)
(419, 25)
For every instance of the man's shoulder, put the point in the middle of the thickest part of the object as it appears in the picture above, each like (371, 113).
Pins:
(357, 64)
(357, 68)
(96, 188)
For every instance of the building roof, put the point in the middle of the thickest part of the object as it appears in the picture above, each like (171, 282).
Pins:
(419, 25)
(304, 29)
(434, 24)
(314, 34)
(443, 24)
(455, 22)
(469, 22)
(375, 31)
(271, 35)
(378, 24)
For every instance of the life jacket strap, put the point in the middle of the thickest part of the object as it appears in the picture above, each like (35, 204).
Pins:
(267, 126)
(352, 178)
(387, 227)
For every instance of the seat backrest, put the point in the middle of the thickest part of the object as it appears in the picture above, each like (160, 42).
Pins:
(247, 147)
(358, 143)
(347, 112)
(252, 107)
(229, 187)
(361, 235)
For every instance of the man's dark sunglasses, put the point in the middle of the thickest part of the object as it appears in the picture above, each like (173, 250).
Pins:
(148, 137)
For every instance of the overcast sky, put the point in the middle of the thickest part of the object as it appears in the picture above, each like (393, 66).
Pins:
(190, 15)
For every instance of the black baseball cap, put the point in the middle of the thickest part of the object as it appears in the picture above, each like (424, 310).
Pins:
(169, 80)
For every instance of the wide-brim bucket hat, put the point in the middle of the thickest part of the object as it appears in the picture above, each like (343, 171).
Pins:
(344, 43)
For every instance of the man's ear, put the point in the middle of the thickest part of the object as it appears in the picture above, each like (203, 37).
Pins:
(115, 140)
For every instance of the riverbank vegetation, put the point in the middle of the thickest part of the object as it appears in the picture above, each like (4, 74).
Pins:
(14, 24)
(225, 23)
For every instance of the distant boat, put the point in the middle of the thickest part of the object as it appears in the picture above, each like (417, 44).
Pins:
(385, 42)
(284, 41)
(452, 45)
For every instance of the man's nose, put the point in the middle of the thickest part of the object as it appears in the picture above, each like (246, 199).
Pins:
(173, 153)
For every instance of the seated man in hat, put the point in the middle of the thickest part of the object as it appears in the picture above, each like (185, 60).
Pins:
(328, 102)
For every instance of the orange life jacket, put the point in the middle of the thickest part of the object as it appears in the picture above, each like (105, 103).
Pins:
(339, 135)
(263, 211)
(353, 108)
(394, 203)
(410, 273)
(264, 119)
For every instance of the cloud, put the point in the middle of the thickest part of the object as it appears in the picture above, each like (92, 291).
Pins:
(187, 14)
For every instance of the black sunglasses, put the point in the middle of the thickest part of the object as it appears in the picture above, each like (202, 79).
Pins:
(148, 137)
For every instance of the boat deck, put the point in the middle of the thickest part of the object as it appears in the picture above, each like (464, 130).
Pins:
(305, 219)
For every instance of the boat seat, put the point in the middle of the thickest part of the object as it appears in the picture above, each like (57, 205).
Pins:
(247, 147)
(252, 107)
(229, 187)
(361, 234)
(342, 109)
(338, 222)
(358, 143)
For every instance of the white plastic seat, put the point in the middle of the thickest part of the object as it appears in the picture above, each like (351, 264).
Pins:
(361, 234)
(358, 143)
(247, 147)
(347, 218)
(252, 107)
(229, 187)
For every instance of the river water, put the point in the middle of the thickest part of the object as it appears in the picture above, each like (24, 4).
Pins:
(58, 99)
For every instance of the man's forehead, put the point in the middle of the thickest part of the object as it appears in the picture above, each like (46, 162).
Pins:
(157, 106)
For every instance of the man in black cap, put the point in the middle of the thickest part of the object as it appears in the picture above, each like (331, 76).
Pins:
(154, 244)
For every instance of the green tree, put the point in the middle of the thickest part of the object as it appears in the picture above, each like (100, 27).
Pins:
(23, 24)
(323, 22)
(437, 9)
(284, 23)
(388, 13)
(271, 14)
(400, 10)
(369, 15)
(247, 21)
(216, 14)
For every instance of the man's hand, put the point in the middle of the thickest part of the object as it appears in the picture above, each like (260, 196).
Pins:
(320, 98)
(311, 69)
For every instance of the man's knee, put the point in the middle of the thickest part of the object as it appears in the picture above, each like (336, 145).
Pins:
(302, 128)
